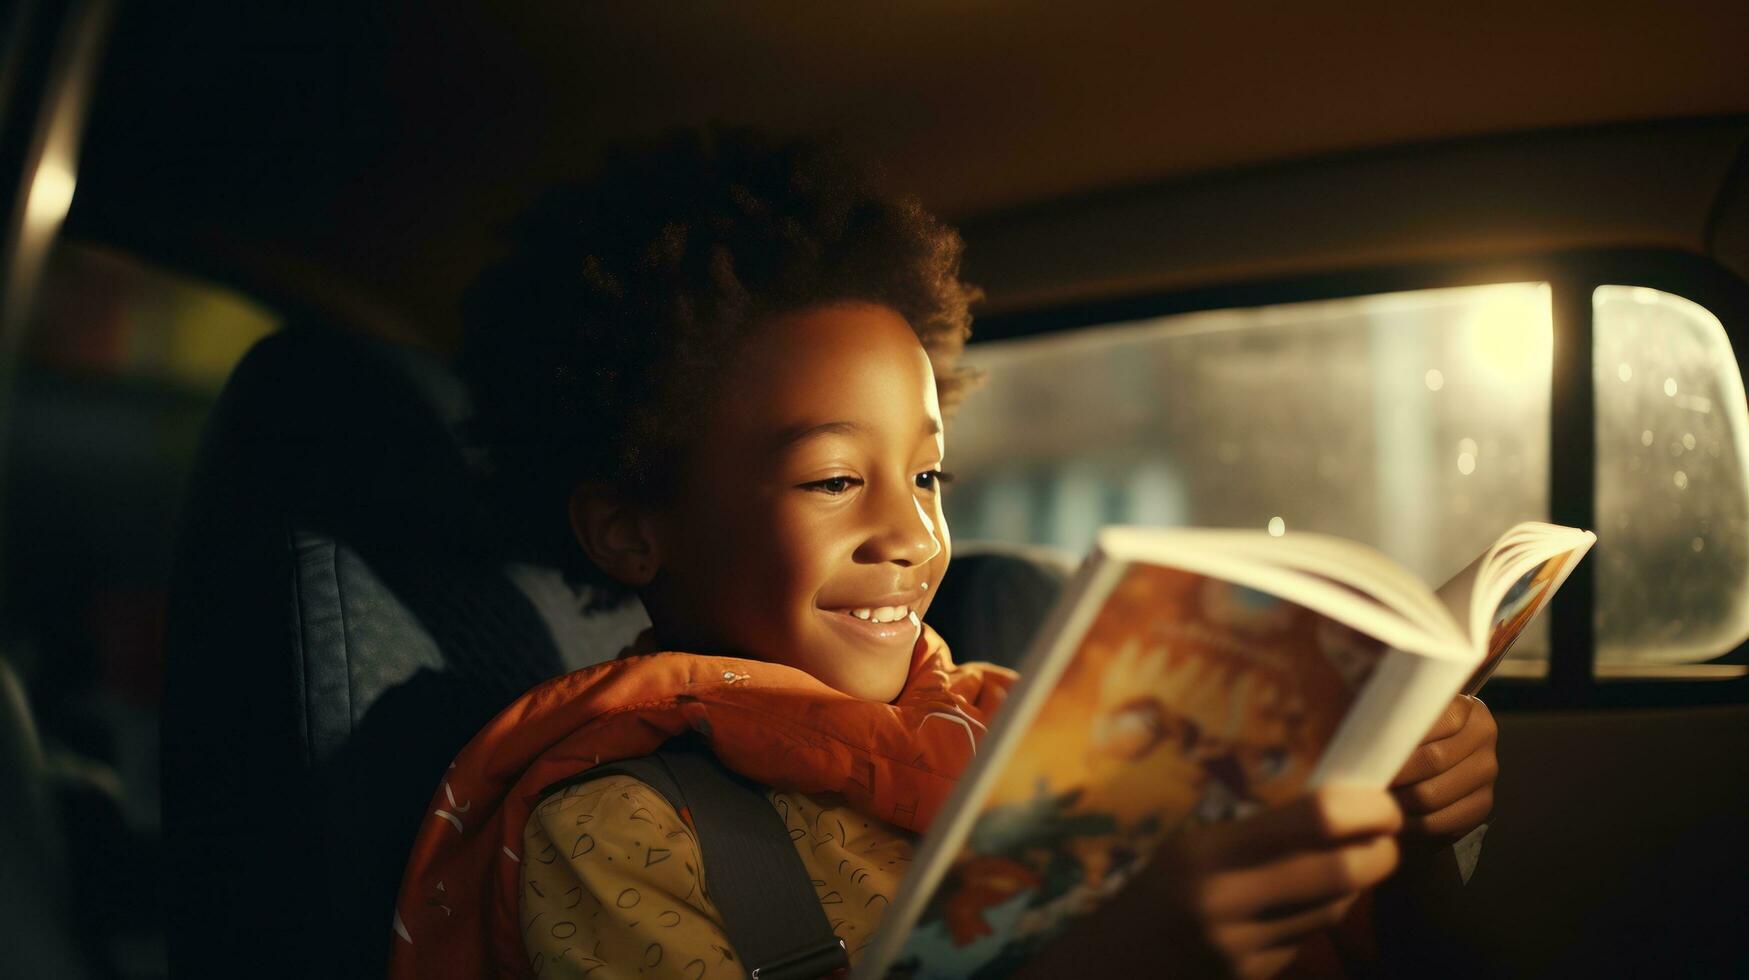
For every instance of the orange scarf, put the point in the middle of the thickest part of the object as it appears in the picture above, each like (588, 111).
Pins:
(456, 915)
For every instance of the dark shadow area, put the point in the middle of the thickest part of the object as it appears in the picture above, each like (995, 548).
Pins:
(337, 631)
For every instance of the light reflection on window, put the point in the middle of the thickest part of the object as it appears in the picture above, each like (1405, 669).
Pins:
(1417, 422)
(1672, 490)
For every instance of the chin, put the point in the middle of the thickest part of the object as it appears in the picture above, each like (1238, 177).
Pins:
(883, 689)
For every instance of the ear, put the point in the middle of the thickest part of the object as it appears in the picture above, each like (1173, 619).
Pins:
(618, 536)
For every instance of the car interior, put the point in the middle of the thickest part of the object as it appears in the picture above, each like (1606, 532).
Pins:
(1402, 275)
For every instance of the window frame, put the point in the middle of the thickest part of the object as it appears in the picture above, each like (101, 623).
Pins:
(1573, 277)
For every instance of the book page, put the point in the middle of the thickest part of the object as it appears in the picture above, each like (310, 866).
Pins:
(1457, 593)
(1518, 578)
(1345, 579)
(1524, 598)
(1187, 697)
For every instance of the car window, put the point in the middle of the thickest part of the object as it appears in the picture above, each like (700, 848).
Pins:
(1672, 491)
(1417, 422)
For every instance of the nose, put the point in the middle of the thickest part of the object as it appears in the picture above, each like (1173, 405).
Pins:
(902, 531)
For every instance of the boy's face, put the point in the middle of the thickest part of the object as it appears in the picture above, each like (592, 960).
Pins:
(813, 501)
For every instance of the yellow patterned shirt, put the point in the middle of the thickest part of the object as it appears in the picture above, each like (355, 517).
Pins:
(612, 883)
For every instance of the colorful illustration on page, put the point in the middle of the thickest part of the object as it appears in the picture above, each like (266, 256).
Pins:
(1188, 697)
(1522, 602)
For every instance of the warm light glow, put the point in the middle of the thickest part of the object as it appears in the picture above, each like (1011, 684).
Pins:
(1277, 527)
(1624, 371)
(1435, 379)
(1670, 387)
(1466, 463)
(1511, 335)
(51, 194)
(1680, 479)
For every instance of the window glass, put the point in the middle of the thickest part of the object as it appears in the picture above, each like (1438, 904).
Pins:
(1672, 557)
(1416, 422)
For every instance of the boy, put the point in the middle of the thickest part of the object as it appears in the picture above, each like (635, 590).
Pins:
(717, 379)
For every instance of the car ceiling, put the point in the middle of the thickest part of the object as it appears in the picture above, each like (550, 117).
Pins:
(371, 157)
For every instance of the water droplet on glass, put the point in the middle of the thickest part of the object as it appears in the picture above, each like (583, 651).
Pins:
(1277, 527)
(1688, 440)
(1680, 479)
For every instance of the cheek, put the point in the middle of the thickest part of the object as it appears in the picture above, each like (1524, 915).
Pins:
(806, 547)
(731, 564)
(771, 561)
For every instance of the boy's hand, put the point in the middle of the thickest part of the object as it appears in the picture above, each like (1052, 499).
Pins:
(1252, 890)
(1446, 789)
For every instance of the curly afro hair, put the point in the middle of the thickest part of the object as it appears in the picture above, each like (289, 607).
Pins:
(592, 348)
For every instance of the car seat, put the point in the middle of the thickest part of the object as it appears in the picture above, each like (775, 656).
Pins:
(344, 615)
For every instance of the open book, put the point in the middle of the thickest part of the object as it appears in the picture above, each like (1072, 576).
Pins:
(1195, 675)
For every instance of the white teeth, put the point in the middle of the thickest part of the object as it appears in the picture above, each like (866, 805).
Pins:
(884, 614)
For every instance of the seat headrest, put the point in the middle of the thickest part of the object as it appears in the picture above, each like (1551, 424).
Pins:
(340, 625)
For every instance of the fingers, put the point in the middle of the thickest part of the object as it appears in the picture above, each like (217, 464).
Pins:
(1255, 887)
(1259, 934)
(1436, 755)
(1264, 964)
(1330, 815)
(1447, 787)
(1451, 719)
(1472, 772)
(1457, 819)
(1299, 880)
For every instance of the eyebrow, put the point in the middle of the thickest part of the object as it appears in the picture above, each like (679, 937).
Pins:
(801, 433)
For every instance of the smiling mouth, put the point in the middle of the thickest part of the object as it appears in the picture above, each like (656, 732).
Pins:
(884, 624)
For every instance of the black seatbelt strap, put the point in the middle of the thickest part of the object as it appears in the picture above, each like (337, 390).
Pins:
(752, 871)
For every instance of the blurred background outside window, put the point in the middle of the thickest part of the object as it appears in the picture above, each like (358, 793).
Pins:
(1416, 422)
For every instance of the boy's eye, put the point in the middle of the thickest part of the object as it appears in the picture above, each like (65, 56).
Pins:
(934, 480)
(833, 485)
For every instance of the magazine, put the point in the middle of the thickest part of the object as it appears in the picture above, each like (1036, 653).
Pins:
(1195, 675)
